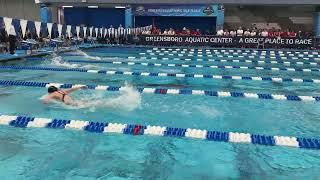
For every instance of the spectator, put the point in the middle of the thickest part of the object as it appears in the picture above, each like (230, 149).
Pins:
(233, 33)
(253, 33)
(239, 31)
(299, 34)
(264, 33)
(284, 33)
(292, 34)
(220, 32)
(247, 33)
(165, 32)
(226, 33)
(271, 32)
(197, 32)
(3, 39)
(171, 32)
(277, 33)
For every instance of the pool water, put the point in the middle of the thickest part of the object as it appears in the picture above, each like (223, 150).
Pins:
(58, 154)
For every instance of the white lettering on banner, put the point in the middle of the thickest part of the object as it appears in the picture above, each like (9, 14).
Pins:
(230, 40)
(274, 41)
(164, 39)
(221, 40)
(196, 39)
(171, 10)
(303, 41)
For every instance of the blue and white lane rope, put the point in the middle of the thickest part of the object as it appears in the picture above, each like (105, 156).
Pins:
(231, 67)
(156, 64)
(233, 55)
(235, 50)
(200, 57)
(271, 53)
(135, 129)
(166, 91)
(196, 66)
(160, 74)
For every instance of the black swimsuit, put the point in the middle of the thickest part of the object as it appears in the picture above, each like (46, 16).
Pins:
(63, 95)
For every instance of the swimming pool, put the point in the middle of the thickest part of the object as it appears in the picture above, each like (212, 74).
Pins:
(243, 80)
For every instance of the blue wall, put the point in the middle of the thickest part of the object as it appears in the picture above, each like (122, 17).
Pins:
(100, 17)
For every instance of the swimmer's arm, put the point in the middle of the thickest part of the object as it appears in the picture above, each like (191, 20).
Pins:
(47, 99)
(68, 91)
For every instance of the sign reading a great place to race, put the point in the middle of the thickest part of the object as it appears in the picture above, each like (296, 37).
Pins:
(226, 41)
(178, 10)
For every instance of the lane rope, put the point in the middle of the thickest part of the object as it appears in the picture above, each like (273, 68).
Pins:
(199, 57)
(235, 50)
(136, 129)
(169, 91)
(192, 65)
(162, 74)
(234, 67)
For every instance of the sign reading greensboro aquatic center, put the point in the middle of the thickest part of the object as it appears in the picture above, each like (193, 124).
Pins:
(226, 41)
(177, 10)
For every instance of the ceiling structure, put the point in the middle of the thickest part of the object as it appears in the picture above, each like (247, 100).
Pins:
(125, 2)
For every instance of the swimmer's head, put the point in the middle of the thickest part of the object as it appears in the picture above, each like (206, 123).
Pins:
(52, 89)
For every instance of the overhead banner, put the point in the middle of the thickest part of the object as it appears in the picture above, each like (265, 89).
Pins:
(49, 26)
(177, 10)
(84, 31)
(23, 25)
(69, 31)
(218, 41)
(90, 31)
(60, 30)
(37, 24)
(7, 23)
(96, 31)
(78, 31)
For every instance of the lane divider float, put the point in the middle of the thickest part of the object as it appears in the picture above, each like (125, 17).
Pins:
(162, 74)
(235, 50)
(136, 129)
(169, 91)
(193, 65)
(235, 55)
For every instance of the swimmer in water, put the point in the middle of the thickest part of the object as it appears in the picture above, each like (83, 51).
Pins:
(61, 95)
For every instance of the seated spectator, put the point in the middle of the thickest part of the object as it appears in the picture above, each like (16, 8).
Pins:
(271, 32)
(165, 32)
(233, 33)
(239, 31)
(3, 40)
(171, 32)
(197, 32)
(247, 33)
(277, 33)
(299, 34)
(284, 33)
(220, 32)
(184, 31)
(264, 33)
(253, 33)
(292, 34)
(226, 33)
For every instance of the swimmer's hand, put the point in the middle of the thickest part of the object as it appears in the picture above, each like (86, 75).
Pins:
(68, 91)
(84, 87)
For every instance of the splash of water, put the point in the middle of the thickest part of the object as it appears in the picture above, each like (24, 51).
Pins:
(87, 55)
(58, 61)
(208, 111)
(128, 100)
